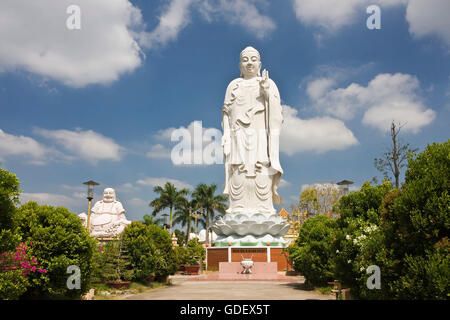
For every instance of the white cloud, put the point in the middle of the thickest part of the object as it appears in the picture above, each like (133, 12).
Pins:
(428, 18)
(424, 17)
(316, 134)
(387, 97)
(201, 140)
(137, 202)
(11, 145)
(88, 145)
(177, 16)
(52, 199)
(331, 15)
(127, 188)
(284, 183)
(413, 115)
(35, 38)
(328, 14)
(74, 188)
(153, 181)
(319, 87)
(171, 22)
(158, 151)
(240, 12)
(80, 192)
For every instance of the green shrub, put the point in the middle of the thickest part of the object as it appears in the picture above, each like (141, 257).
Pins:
(195, 252)
(425, 278)
(9, 197)
(403, 231)
(180, 255)
(12, 285)
(150, 250)
(312, 251)
(59, 240)
(141, 250)
(192, 254)
(358, 239)
(116, 262)
(166, 263)
(416, 223)
(11, 263)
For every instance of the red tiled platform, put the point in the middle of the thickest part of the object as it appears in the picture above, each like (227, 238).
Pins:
(216, 255)
(261, 271)
(245, 277)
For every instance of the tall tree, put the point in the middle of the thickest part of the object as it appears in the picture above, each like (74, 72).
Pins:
(319, 198)
(183, 215)
(393, 160)
(169, 197)
(205, 197)
(309, 201)
(9, 197)
(149, 220)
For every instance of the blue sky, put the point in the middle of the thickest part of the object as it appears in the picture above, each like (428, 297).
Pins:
(100, 102)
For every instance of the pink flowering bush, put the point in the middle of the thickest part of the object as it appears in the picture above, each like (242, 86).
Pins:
(59, 241)
(19, 261)
(14, 270)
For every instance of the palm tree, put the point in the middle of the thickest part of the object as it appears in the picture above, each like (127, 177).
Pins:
(205, 197)
(149, 220)
(183, 215)
(169, 197)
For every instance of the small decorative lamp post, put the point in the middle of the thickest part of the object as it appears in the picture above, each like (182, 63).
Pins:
(90, 196)
(165, 215)
(344, 185)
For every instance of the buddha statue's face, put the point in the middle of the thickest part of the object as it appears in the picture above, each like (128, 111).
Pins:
(250, 63)
(109, 195)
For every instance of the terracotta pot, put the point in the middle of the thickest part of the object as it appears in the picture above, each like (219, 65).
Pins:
(118, 284)
(192, 270)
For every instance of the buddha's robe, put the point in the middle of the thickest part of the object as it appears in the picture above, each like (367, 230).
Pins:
(251, 126)
(108, 218)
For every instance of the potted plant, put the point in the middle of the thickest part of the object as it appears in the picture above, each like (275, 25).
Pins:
(195, 254)
(193, 267)
(181, 258)
(117, 272)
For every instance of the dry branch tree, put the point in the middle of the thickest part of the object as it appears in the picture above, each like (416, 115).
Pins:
(393, 160)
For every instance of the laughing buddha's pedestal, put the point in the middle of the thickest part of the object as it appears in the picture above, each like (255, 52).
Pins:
(251, 123)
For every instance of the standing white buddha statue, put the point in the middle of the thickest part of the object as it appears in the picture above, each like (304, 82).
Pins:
(251, 123)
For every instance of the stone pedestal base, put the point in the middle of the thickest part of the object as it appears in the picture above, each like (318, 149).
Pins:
(216, 255)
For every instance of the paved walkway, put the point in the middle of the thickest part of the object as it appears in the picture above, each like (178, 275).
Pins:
(181, 289)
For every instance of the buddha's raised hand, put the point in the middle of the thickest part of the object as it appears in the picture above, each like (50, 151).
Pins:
(264, 83)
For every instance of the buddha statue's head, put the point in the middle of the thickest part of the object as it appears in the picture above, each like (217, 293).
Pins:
(250, 63)
(109, 195)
